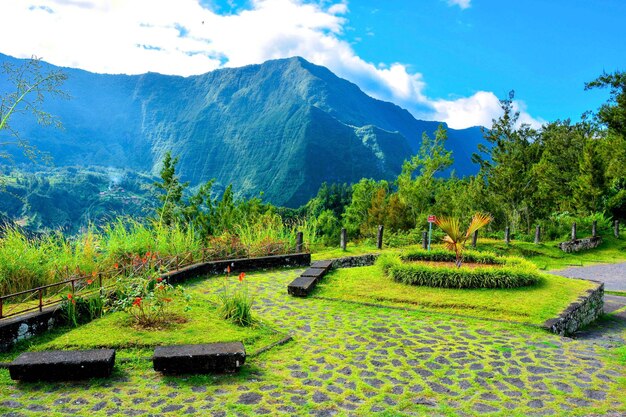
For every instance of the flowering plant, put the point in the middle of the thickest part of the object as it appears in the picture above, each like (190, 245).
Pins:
(148, 299)
(234, 301)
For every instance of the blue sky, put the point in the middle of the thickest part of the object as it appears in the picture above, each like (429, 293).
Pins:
(446, 60)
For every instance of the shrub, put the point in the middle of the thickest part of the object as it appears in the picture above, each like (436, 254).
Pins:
(235, 301)
(148, 299)
(510, 272)
(78, 309)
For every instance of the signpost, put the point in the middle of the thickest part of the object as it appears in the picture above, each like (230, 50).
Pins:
(431, 219)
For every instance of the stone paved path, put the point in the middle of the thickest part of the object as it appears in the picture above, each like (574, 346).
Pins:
(613, 275)
(351, 360)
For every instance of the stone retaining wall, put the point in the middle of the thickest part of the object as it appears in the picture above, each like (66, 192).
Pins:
(580, 244)
(354, 261)
(22, 327)
(578, 314)
(27, 325)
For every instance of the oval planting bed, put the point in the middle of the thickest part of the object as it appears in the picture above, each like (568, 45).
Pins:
(437, 268)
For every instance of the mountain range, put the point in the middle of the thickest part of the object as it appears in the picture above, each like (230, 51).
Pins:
(281, 128)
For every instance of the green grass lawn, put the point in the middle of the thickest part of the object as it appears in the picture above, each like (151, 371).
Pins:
(116, 330)
(532, 305)
(547, 256)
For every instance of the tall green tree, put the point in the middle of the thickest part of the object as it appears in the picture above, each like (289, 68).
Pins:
(171, 192)
(416, 182)
(506, 166)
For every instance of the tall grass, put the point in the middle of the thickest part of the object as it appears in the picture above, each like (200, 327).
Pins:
(267, 235)
(29, 263)
(126, 237)
(23, 262)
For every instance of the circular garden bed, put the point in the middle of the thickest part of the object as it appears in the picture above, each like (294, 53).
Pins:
(436, 268)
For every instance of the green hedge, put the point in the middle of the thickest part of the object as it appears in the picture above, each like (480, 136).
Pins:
(510, 272)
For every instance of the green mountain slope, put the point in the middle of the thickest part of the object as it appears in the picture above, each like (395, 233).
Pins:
(281, 128)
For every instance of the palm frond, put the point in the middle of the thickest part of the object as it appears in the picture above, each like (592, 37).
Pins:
(479, 220)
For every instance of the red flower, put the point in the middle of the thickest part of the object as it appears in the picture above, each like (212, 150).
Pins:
(94, 273)
(241, 276)
(167, 300)
(137, 302)
(70, 296)
(159, 279)
(115, 265)
(89, 281)
(148, 254)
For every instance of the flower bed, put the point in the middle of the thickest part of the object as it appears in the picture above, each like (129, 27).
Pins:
(494, 272)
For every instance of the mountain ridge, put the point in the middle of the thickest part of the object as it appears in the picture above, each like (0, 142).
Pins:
(281, 127)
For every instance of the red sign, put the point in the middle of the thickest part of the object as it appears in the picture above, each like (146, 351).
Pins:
(432, 219)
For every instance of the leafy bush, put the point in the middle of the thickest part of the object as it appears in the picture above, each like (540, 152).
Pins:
(235, 301)
(559, 225)
(508, 272)
(78, 308)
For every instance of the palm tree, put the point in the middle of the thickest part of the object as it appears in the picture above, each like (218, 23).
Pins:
(455, 240)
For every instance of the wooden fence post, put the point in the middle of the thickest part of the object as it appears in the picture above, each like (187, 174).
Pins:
(574, 231)
(537, 235)
(507, 235)
(474, 238)
(379, 241)
(344, 238)
(594, 228)
(424, 240)
(299, 237)
(616, 228)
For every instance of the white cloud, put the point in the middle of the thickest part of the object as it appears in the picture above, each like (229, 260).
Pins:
(182, 37)
(463, 4)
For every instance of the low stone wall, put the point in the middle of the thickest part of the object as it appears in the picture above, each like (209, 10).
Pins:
(238, 265)
(585, 310)
(354, 261)
(22, 327)
(580, 244)
(27, 325)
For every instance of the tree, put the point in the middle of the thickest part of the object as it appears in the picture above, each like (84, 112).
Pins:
(613, 149)
(416, 182)
(171, 192)
(507, 166)
(613, 113)
(355, 217)
(29, 84)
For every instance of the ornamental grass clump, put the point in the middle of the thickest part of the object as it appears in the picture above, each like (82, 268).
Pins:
(235, 301)
(492, 272)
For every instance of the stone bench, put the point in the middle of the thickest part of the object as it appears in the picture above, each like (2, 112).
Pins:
(63, 365)
(304, 284)
(199, 359)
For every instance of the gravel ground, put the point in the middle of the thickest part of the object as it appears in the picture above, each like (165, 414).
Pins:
(613, 275)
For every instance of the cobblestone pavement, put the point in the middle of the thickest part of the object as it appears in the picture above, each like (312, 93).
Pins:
(613, 275)
(352, 360)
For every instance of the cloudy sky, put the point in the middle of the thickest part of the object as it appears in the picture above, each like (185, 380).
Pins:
(446, 60)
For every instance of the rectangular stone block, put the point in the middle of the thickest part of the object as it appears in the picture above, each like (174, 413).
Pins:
(301, 286)
(199, 359)
(63, 365)
(323, 264)
(314, 272)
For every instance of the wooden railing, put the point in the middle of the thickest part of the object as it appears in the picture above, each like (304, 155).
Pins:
(43, 296)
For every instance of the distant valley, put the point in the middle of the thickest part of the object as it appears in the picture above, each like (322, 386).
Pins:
(280, 128)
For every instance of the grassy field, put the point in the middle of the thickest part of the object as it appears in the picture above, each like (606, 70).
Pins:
(547, 256)
(345, 359)
(200, 324)
(532, 305)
